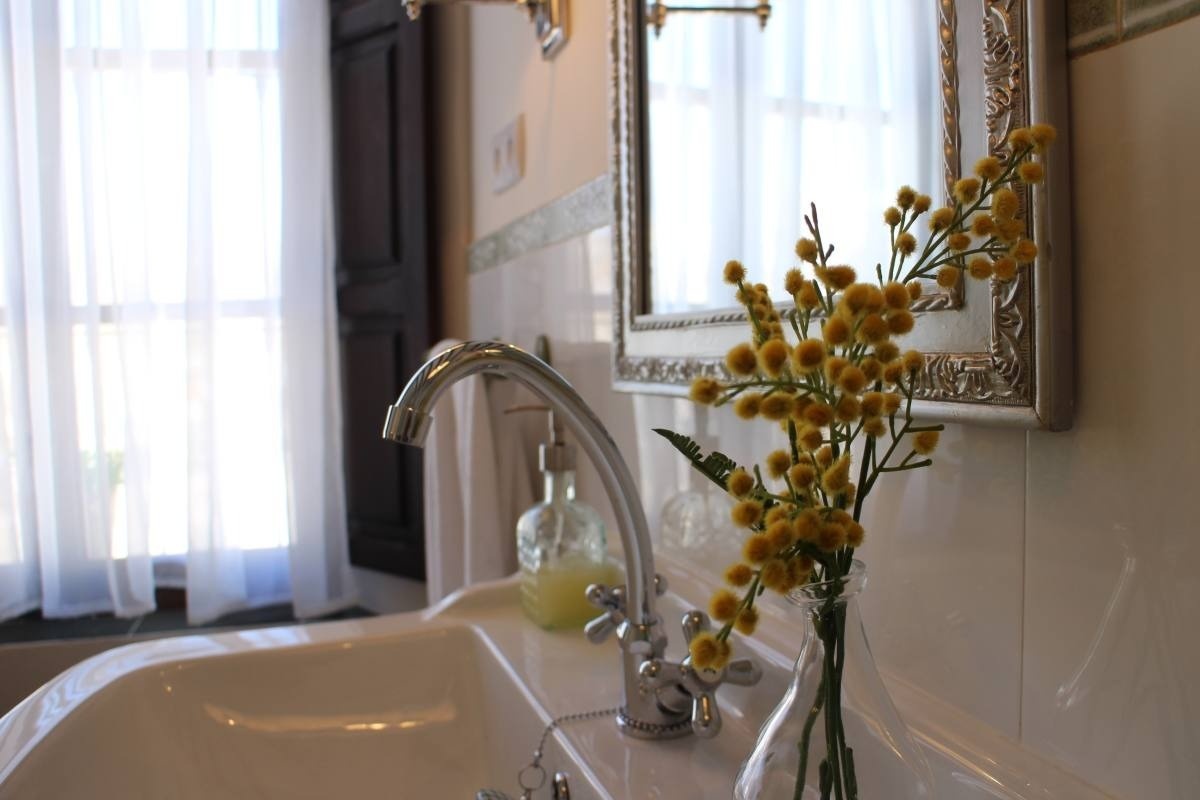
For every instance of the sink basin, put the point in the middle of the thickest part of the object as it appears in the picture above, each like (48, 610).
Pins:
(433, 704)
(429, 712)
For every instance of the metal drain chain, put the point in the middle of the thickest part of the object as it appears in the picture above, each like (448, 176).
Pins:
(533, 775)
(534, 768)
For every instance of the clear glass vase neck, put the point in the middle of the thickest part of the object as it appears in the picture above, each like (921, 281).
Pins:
(841, 589)
(835, 696)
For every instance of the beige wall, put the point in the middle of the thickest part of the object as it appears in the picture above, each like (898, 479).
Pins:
(1047, 584)
(563, 100)
(450, 37)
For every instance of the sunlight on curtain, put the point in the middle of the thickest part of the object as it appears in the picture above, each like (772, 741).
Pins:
(158, 130)
(747, 127)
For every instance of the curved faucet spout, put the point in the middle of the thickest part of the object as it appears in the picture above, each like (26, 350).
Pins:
(640, 629)
(408, 423)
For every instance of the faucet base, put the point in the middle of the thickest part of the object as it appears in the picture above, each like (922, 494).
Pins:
(650, 730)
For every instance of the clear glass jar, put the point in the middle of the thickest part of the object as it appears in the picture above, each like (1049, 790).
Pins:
(874, 758)
(561, 549)
(696, 521)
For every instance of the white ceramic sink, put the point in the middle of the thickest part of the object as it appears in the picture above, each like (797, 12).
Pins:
(432, 710)
(437, 704)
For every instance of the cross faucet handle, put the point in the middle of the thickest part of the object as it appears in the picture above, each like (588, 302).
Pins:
(700, 684)
(612, 600)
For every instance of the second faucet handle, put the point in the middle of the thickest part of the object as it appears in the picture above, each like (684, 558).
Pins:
(612, 600)
(700, 684)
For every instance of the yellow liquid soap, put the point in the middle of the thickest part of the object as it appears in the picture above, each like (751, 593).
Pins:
(554, 596)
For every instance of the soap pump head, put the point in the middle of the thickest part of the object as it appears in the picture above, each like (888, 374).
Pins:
(556, 455)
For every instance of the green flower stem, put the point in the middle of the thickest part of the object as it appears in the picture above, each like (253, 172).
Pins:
(867, 459)
(792, 319)
(991, 247)
(935, 241)
(852, 788)
(865, 489)
(904, 467)
(831, 715)
(840, 665)
(892, 235)
(758, 331)
(823, 254)
(985, 191)
(806, 739)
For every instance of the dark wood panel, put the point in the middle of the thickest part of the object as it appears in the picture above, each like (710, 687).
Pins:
(366, 153)
(373, 475)
(383, 480)
(386, 549)
(358, 19)
(382, 295)
(384, 271)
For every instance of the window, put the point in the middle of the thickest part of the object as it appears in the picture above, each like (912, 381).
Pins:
(151, 188)
(168, 351)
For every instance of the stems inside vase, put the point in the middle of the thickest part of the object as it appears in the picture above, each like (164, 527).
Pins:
(836, 777)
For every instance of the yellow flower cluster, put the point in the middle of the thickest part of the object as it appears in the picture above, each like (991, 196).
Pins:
(846, 380)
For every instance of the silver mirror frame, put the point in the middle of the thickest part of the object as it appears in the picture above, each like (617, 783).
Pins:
(1025, 377)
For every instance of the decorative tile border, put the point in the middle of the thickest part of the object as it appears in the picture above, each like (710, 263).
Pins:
(574, 214)
(1093, 24)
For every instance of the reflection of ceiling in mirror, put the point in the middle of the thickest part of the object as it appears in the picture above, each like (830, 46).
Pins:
(748, 127)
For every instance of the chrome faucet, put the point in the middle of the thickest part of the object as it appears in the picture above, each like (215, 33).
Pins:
(653, 705)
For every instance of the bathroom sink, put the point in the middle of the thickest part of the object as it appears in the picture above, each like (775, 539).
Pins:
(433, 704)
(431, 711)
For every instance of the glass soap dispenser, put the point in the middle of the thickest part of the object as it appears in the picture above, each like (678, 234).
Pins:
(561, 544)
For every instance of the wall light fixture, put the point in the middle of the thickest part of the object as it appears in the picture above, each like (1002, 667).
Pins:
(658, 11)
(549, 18)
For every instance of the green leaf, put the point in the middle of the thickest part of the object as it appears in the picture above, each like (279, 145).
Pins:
(715, 466)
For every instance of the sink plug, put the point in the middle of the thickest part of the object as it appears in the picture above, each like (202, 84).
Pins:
(562, 791)
(533, 775)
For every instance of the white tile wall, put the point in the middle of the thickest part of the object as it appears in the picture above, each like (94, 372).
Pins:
(1047, 584)
(1112, 655)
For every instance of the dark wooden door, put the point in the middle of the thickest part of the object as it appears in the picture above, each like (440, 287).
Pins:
(383, 267)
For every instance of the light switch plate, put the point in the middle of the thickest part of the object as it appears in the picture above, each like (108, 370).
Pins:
(508, 155)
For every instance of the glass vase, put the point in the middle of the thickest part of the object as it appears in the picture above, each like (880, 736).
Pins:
(835, 735)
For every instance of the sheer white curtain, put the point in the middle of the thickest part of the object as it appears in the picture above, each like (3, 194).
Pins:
(168, 365)
(835, 103)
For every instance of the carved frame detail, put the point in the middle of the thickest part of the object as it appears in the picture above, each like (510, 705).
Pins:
(998, 385)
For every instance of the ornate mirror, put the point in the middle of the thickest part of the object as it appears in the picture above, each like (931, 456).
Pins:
(726, 126)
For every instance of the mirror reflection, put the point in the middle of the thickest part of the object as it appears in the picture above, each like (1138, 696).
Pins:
(837, 103)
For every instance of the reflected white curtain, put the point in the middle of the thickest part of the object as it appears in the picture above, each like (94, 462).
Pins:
(835, 103)
(168, 366)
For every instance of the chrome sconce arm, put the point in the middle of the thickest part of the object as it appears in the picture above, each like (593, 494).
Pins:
(658, 11)
(549, 18)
